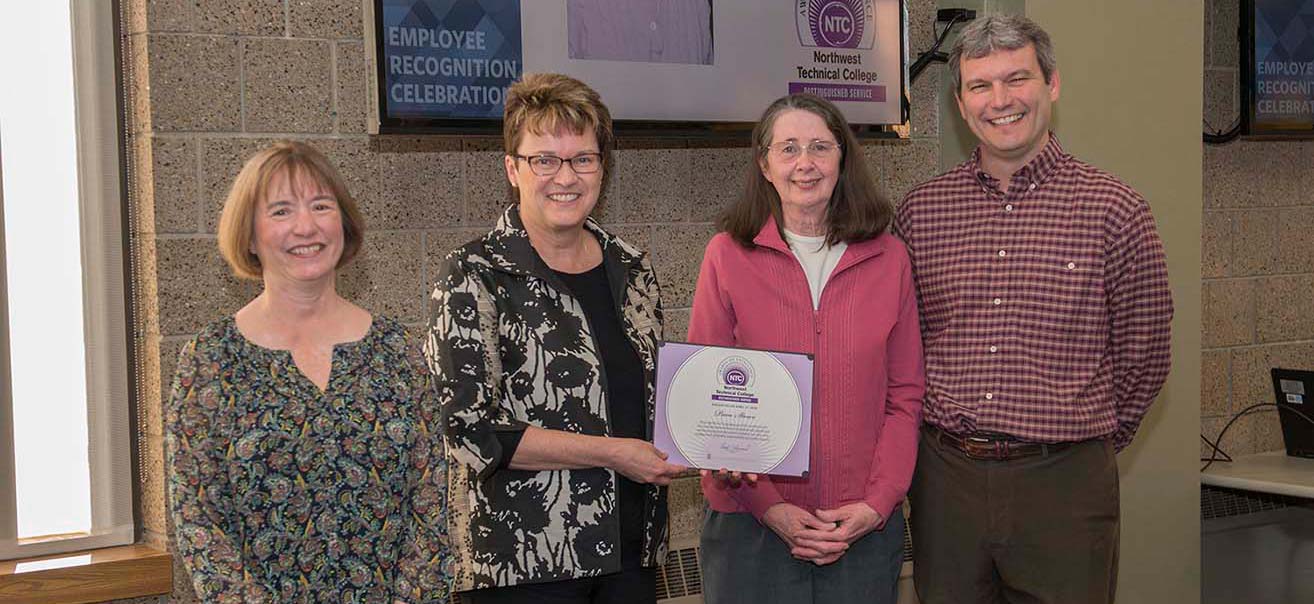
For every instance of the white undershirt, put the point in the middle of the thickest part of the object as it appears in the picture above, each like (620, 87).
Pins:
(818, 260)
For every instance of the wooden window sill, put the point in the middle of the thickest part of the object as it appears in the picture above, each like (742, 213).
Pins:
(129, 571)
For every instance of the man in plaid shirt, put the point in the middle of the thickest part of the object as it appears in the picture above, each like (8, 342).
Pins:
(1045, 318)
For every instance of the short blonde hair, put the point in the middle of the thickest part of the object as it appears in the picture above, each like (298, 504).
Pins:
(299, 162)
(546, 103)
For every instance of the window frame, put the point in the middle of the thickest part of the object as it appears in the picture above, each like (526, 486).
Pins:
(101, 157)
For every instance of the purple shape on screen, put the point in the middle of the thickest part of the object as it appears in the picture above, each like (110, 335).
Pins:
(841, 92)
(836, 23)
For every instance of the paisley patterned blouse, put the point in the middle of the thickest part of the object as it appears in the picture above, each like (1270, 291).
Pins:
(283, 493)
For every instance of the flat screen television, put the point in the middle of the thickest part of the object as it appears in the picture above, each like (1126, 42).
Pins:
(1277, 68)
(668, 65)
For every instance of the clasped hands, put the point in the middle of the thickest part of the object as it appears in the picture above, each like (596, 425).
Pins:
(823, 537)
(820, 538)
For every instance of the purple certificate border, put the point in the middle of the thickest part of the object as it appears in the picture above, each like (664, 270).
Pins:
(671, 355)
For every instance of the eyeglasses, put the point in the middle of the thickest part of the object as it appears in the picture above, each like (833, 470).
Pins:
(792, 150)
(549, 165)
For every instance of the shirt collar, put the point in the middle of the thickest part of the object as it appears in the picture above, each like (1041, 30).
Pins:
(769, 237)
(1038, 170)
(509, 249)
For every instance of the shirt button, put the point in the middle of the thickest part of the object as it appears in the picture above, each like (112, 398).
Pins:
(1008, 208)
(994, 349)
(1032, 187)
(1002, 253)
(997, 301)
(1072, 265)
(653, 26)
(989, 396)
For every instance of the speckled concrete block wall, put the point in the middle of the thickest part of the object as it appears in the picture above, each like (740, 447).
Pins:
(1257, 259)
(210, 81)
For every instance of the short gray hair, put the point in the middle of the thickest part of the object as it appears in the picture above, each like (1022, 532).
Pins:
(1000, 32)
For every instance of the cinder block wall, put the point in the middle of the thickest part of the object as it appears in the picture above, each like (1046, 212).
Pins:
(1258, 256)
(209, 81)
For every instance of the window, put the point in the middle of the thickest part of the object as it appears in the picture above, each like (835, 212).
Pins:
(65, 467)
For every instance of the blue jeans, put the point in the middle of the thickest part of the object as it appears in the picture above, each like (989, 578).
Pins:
(744, 562)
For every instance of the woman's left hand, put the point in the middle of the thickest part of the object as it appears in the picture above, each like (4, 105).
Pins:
(852, 522)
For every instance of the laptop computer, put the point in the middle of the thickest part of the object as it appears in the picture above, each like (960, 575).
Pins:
(1294, 392)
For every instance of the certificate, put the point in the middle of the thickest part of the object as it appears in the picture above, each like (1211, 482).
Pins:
(734, 408)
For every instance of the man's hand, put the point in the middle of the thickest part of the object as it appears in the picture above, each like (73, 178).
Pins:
(641, 462)
(850, 523)
(733, 479)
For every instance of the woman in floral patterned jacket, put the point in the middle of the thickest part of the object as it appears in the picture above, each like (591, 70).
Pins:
(542, 339)
(305, 457)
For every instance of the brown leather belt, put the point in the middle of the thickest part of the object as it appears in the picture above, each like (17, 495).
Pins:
(992, 447)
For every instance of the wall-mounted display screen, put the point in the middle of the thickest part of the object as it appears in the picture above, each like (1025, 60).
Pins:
(1278, 67)
(444, 64)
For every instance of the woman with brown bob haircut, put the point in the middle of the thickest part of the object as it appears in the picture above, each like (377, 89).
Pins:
(804, 263)
(305, 460)
(542, 337)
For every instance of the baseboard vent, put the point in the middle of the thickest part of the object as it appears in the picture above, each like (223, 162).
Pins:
(907, 542)
(681, 575)
(1217, 502)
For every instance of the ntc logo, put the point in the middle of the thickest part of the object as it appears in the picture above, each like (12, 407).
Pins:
(836, 23)
(736, 371)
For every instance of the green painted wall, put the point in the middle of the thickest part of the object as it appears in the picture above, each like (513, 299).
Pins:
(1131, 104)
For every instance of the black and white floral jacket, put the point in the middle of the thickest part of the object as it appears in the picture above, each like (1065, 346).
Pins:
(510, 347)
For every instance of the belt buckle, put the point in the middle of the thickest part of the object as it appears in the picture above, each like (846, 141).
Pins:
(980, 448)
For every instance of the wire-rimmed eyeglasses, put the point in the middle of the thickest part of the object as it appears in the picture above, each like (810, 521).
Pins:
(548, 165)
(792, 150)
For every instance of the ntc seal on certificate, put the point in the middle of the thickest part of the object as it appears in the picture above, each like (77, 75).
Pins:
(734, 408)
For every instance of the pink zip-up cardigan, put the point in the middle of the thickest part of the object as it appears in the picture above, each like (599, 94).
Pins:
(868, 371)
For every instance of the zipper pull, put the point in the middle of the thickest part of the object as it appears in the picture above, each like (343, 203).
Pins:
(816, 320)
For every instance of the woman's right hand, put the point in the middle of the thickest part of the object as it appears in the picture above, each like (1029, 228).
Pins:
(642, 462)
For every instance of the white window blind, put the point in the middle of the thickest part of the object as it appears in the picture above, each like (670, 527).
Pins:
(65, 467)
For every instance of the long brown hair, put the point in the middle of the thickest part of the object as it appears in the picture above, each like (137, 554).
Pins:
(856, 211)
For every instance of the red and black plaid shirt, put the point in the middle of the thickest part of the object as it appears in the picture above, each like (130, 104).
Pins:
(1045, 308)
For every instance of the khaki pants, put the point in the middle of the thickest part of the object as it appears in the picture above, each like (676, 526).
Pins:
(1040, 529)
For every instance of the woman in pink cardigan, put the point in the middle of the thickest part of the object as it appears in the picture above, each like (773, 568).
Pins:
(804, 263)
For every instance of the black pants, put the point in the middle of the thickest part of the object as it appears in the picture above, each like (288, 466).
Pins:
(1035, 530)
(630, 586)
